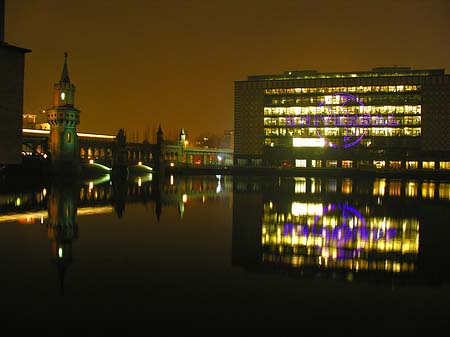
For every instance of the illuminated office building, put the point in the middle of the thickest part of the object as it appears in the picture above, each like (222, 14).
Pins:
(394, 118)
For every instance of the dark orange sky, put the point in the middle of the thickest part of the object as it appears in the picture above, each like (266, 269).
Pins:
(140, 62)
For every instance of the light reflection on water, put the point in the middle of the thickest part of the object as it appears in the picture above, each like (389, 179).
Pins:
(342, 225)
(304, 222)
(152, 239)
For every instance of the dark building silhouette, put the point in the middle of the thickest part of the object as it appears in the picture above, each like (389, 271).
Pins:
(12, 64)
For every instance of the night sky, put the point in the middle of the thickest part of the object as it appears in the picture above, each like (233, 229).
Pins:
(137, 63)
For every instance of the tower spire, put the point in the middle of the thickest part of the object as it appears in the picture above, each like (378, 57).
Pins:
(65, 73)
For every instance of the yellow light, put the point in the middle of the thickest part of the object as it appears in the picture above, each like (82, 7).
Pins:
(308, 142)
(44, 192)
(91, 161)
(172, 164)
(60, 252)
(92, 135)
(42, 132)
(139, 182)
(171, 179)
(184, 198)
(91, 185)
(140, 163)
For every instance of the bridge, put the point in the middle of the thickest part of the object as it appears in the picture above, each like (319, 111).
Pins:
(108, 151)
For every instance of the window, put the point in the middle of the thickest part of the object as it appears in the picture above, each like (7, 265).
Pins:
(411, 165)
(242, 162)
(316, 163)
(428, 189)
(444, 165)
(300, 163)
(428, 165)
(69, 137)
(300, 185)
(347, 186)
(347, 163)
(331, 163)
(379, 164)
(395, 164)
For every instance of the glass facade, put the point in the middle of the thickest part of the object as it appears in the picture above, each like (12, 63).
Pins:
(388, 118)
(326, 112)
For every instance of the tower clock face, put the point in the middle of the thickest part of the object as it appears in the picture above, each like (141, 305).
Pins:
(63, 96)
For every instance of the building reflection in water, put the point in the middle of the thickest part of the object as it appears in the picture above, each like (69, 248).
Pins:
(338, 236)
(61, 225)
(58, 205)
(341, 226)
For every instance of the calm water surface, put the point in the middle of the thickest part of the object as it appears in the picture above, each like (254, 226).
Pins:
(222, 255)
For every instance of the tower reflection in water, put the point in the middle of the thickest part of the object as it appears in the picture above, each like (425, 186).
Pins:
(62, 226)
(340, 227)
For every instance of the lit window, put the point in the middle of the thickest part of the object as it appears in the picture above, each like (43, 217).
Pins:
(316, 163)
(444, 165)
(300, 185)
(379, 186)
(395, 164)
(411, 188)
(69, 137)
(411, 165)
(308, 142)
(300, 163)
(331, 163)
(379, 164)
(347, 163)
(428, 165)
(63, 96)
(428, 189)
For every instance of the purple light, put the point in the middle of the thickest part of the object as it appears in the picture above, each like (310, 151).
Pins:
(347, 136)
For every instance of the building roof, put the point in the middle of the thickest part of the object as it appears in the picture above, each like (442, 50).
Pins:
(65, 73)
(375, 72)
(10, 46)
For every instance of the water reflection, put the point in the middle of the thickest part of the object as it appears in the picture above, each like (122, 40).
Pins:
(58, 204)
(383, 229)
(61, 225)
(357, 228)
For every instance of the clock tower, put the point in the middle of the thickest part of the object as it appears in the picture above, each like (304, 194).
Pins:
(64, 118)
